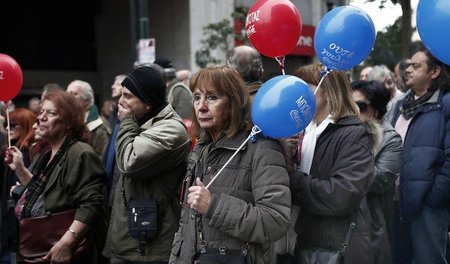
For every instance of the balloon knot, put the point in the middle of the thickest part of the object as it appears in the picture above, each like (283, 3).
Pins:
(280, 60)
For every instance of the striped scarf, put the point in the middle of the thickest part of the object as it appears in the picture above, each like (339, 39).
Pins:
(39, 181)
(411, 105)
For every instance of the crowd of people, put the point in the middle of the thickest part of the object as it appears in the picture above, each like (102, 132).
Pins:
(171, 169)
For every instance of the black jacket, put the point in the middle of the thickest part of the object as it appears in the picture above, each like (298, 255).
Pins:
(334, 193)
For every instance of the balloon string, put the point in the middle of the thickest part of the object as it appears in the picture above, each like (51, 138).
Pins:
(280, 60)
(323, 73)
(255, 130)
(8, 125)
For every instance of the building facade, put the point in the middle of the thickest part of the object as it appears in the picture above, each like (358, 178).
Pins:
(94, 40)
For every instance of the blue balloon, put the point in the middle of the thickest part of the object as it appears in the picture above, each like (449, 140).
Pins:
(283, 106)
(344, 37)
(433, 20)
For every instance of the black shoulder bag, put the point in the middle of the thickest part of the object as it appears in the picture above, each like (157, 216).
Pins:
(221, 255)
(142, 218)
(327, 256)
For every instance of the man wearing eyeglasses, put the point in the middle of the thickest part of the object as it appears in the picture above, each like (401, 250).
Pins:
(422, 119)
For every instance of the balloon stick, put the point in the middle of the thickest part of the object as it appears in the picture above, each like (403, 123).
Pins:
(8, 124)
(280, 60)
(323, 73)
(255, 130)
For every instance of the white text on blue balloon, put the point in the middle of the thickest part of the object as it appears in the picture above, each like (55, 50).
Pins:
(295, 116)
(304, 107)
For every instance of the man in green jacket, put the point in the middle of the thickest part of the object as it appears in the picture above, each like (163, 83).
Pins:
(151, 151)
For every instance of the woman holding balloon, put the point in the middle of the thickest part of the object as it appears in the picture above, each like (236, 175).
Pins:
(236, 194)
(336, 170)
(67, 176)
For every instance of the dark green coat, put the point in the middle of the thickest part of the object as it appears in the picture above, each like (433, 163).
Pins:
(250, 200)
(152, 160)
(78, 181)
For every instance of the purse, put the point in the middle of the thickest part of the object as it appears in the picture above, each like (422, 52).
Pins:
(221, 255)
(315, 255)
(142, 217)
(39, 234)
(209, 255)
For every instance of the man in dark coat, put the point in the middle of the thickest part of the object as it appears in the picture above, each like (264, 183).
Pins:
(422, 118)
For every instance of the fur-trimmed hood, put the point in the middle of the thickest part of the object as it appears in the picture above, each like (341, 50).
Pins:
(376, 131)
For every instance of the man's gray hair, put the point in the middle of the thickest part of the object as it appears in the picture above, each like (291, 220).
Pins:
(86, 88)
(247, 61)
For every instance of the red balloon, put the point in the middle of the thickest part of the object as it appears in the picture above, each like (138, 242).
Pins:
(273, 27)
(10, 78)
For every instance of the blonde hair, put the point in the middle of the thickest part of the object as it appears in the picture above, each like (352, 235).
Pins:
(336, 86)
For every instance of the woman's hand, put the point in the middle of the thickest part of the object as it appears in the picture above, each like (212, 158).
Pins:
(14, 158)
(199, 197)
(61, 252)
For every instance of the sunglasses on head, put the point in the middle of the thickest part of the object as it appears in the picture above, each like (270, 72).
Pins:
(362, 106)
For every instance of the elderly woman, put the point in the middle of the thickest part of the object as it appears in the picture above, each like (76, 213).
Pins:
(248, 205)
(68, 176)
(336, 170)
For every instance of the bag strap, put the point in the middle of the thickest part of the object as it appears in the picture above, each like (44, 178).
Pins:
(122, 190)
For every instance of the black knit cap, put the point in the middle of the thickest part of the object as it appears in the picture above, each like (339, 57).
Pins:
(147, 84)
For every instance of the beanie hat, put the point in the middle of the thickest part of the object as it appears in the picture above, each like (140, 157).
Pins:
(148, 85)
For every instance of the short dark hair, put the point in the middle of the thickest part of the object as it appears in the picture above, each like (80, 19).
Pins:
(443, 79)
(376, 93)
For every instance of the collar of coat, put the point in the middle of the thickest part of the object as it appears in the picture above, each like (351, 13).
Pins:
(232, 143)
(151, 118)
(373, 128)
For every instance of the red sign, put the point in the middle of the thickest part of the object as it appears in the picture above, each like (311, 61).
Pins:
(305, 44)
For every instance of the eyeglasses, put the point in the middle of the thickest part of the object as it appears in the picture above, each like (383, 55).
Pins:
(362, 106)
(48, 112)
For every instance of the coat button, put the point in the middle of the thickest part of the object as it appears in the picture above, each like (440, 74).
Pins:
(209, 167)
(192, 217)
